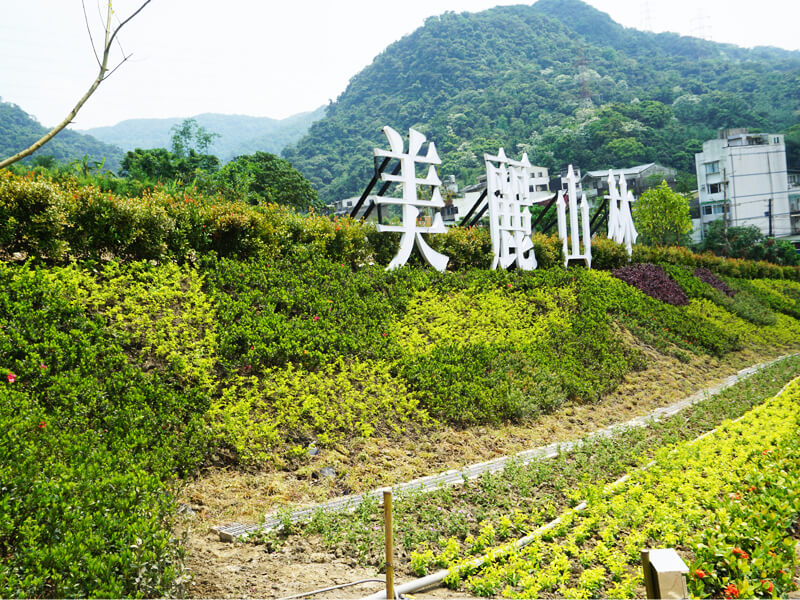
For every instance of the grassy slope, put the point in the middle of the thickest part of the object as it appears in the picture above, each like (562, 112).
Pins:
(132, 360)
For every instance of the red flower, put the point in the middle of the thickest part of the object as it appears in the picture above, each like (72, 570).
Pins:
(42, 366)
(699, 573)
(12, 378)
(767, 584)
(731, 591)
(316, 318)
(42, 425)
(741, 553)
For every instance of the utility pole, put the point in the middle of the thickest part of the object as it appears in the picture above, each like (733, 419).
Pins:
(725, 204)
(770, 218)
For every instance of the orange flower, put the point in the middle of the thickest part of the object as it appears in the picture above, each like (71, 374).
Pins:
(731, 591)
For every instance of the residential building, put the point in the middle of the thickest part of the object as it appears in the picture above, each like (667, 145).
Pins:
(638, 178)
(742, 177)
(794, 204)
(342, 208)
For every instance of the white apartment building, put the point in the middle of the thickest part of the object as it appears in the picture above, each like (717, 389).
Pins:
(743, 176)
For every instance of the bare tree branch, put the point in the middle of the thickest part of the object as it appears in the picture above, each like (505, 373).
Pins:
(89, 30)
(102, 75)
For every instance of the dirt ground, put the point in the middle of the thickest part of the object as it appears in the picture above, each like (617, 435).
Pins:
(220, 496)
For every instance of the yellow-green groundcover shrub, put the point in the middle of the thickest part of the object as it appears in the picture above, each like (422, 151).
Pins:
(728, 501)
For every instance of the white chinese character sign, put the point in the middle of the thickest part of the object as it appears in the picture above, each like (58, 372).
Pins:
(620, 220)
(572, 239)
(407, 177)
(508, 193)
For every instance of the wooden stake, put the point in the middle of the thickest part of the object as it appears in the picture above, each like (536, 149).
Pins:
(387, 521)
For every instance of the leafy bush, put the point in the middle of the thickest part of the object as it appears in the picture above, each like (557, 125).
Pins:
(32, 218)
(549, 250)
(465, 246)
(608, 254)
(653, 281)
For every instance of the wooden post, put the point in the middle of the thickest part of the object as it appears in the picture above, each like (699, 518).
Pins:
(387, 520)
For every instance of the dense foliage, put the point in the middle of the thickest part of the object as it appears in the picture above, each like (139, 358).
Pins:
(559, 80)
(140, 337)
(708, 277)
(58, 218)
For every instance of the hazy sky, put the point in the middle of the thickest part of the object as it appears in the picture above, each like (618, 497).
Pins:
(275, 59)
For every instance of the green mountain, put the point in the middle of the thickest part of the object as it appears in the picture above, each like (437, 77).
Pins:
(18, 130)
(238, 134)
(559, 80)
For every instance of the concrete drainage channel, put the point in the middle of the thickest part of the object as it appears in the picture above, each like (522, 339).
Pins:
(232, 532)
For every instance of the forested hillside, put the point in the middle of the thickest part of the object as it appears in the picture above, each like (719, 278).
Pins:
(238, 134)
(18, 130)
(559, 80)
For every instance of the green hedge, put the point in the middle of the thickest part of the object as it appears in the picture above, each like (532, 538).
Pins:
(59, 221)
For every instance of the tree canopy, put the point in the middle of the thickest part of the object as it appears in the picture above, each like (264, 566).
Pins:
(559, 80)
(263, 177)
(662, 216)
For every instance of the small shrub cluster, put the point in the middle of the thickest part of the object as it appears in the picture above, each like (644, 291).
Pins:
(653, 281)
(608, 254)
(703, 274)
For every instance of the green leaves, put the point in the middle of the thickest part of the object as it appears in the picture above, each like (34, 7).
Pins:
(662, 216)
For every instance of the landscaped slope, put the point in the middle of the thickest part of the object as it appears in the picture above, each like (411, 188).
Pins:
(118, 378)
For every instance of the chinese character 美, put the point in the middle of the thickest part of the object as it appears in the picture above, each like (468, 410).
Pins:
(407, 177)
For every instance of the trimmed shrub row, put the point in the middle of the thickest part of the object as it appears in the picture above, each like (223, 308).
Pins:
(61, 221)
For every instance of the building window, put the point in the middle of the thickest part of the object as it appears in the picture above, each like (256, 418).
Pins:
(712, 167)
(719, 209)
(776, 140)
(714, 188)
(706, 210)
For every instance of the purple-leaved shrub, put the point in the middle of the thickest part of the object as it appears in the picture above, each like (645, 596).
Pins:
(653, 281)
(704, 274)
